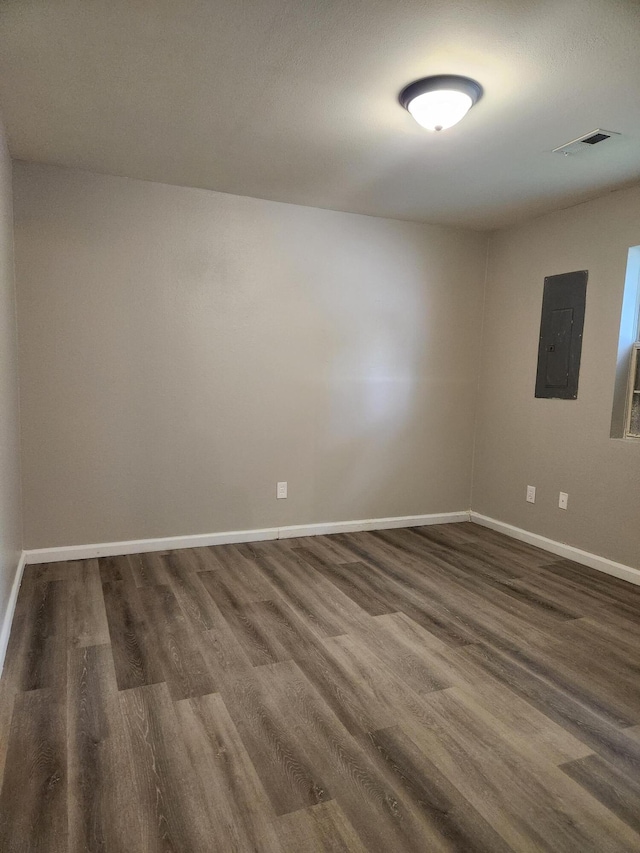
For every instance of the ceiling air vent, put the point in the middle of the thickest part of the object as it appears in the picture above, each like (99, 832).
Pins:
(584, 143)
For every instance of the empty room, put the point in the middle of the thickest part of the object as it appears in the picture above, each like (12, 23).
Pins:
(319, 426)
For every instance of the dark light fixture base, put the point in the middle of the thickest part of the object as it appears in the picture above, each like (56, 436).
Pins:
(441, 81)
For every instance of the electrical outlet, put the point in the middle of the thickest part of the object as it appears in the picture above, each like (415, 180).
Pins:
(281, 490)
(531, 494)
(563, 500)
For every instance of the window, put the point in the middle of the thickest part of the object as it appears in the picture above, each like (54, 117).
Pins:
(633, 401)
(625, 418)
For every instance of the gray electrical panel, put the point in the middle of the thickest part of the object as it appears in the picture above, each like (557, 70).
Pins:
(563, 306)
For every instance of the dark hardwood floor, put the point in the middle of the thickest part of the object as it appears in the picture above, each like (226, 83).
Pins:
(433, 689)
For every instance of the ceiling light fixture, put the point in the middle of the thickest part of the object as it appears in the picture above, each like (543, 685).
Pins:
(440, 102)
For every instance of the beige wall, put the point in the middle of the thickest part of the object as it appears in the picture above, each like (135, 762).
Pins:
(182, 350)
(554, 444)
(10, 509)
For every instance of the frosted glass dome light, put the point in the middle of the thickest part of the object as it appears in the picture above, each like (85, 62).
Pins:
(437, 103)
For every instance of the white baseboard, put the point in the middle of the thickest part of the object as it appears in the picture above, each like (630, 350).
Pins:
(7, 620)
(141, 546)
(294, 531)
(601, 564)
(170, 543)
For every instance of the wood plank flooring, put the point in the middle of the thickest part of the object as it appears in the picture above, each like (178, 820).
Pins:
(430, 689)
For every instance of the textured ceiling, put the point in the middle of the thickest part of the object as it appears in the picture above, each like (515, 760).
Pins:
(296, 100)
